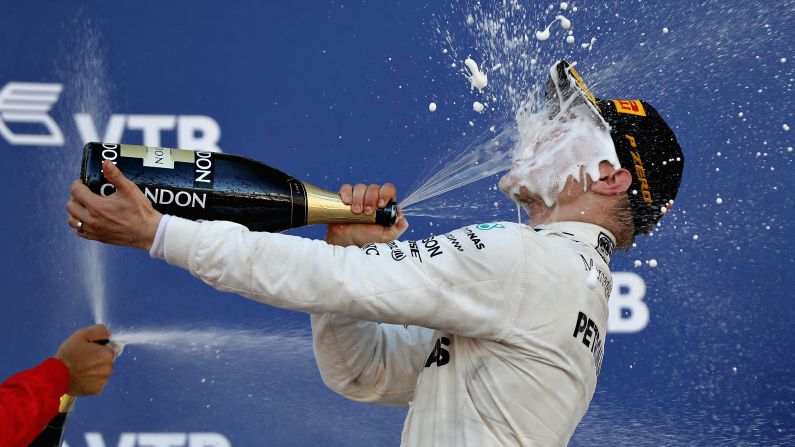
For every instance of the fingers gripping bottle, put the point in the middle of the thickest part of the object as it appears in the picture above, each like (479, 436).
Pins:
(218, 186)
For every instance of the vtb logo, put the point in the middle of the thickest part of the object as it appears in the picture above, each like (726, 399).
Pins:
(25, 120)
(28, 103)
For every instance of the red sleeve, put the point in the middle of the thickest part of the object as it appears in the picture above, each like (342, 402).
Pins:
(28, 400)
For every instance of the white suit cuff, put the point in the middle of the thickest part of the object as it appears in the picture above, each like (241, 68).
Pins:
(159, 244)
(179, 238)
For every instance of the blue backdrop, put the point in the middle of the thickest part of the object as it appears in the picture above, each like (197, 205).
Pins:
(337, 92)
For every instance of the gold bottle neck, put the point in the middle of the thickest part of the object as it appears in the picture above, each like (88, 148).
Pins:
(67, 402)
(325, 207)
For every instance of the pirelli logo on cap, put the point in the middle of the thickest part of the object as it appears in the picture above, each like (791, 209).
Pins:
(629, 106)
(583, 86)
(640, 172)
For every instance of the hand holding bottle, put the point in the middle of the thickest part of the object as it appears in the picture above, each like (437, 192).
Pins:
(124, 218)
(364, 199)
(88, 362)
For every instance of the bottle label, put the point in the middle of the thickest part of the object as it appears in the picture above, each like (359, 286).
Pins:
(158, 157)
(203, 170)
(201, 163)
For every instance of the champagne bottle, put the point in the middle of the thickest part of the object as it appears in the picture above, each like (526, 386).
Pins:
(217, 186)
(52, 436)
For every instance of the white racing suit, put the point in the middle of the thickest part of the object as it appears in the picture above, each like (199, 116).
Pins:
(492, 334)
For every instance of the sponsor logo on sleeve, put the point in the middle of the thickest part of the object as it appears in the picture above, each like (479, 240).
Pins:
(604, 246)
(475, 239)
(439, 356)
(432, 246)
(415, 250)
(371, 249)
(586, 330)
(454, 242)
(491, 226)
(397, 253)
(603, 278)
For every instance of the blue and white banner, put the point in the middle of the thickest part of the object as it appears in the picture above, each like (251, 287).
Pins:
(698, 351)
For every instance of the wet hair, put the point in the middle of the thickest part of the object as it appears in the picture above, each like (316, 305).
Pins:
(623, 222)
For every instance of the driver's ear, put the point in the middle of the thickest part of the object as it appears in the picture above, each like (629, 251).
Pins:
(613, 183)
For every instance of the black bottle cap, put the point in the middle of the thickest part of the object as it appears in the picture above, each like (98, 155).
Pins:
(386, 216)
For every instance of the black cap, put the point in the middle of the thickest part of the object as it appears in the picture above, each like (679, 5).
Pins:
(644, 143)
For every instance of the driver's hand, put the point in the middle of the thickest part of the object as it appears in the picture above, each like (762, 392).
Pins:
(365, 199)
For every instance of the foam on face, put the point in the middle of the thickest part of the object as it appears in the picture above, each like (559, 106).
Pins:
(550, 150)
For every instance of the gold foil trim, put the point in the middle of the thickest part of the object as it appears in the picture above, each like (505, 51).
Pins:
(67, 402)
(324, 207)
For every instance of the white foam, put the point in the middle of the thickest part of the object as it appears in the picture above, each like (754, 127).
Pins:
(477, 79)
(478, 159)
(719, 201)
(652, 263)
(206, 339)
(477, 106)
(570, 39)
(665, 30)
(589, 45)
(638, 263)
(785, 127)
(564, 5)
(549, 151)
(544, 35)
(432, 107)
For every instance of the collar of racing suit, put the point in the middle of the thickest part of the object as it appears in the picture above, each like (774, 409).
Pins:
(595, 236)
